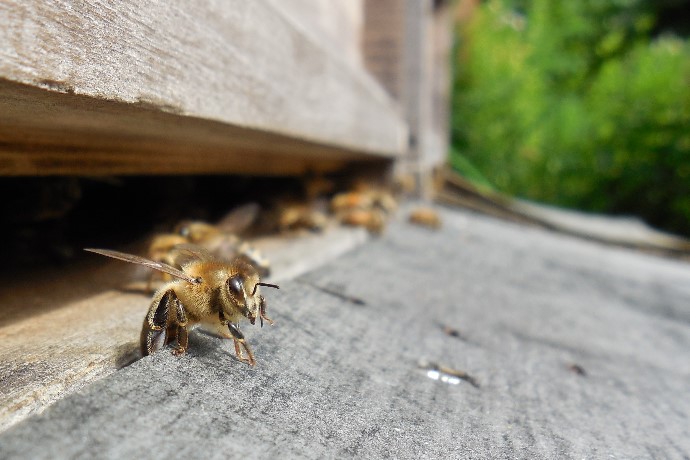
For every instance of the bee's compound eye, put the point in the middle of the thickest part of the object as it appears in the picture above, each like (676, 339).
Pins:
(235, 285)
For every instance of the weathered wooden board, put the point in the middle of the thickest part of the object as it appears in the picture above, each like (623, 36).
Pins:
(44, 132)
(61, 330)
(337, 22)
(407, 46)
(383, 45)
(620, 231)
(123, 81)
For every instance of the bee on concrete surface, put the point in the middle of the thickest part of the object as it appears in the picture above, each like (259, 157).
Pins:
(426, 217)
(208, 292)
(212, 236)
(294, 215)
(160, 249)
(373, 220)
(365, 196)
(366, 206)
(351, 200)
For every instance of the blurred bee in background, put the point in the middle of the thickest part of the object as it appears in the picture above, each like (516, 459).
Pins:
(425, 217)
(206, 291)
(365, 206)
(294, 215)
(160, 249)
(221, 239)
(373, 220)
(306, 209)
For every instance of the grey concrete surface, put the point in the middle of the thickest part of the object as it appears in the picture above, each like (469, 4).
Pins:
(579, 351)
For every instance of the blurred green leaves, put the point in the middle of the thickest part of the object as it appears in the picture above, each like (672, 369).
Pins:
(571, 103)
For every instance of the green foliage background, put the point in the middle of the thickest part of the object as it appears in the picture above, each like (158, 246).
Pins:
(572, 103)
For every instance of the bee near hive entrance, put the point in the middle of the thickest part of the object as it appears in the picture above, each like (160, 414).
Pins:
(207, 241)
(208, 292)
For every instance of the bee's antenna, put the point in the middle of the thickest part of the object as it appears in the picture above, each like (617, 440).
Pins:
(264, 284)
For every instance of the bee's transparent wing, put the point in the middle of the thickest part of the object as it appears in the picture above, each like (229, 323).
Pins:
(239, 219)
(184, 253)
(165, 268)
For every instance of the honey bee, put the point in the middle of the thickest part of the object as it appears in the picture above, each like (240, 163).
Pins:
(207, 292)
(197, 231)
(221, 239)
(425, 217)
(373, 220)
(351, 200)
(161, 250)
(366, 206)
(296, 215)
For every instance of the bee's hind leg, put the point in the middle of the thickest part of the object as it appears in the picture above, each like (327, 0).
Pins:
(163, 324)
(182, 332)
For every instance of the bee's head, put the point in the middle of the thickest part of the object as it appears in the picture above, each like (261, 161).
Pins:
(237, 291)
(241, 289)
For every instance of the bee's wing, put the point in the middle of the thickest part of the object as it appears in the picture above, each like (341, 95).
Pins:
(239, 219)
(165, 268)
(184, 253)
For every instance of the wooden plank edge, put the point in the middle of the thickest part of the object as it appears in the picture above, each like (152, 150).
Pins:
(48, 133)
(240, 63)
(626, 232)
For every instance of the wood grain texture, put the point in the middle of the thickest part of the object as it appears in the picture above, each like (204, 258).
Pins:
(236, 65)
(383, 44)
(44, 132)
(407, 45)
(337, 22)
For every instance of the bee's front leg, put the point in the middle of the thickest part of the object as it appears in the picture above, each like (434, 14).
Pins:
(262, 312)
(238, 338)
